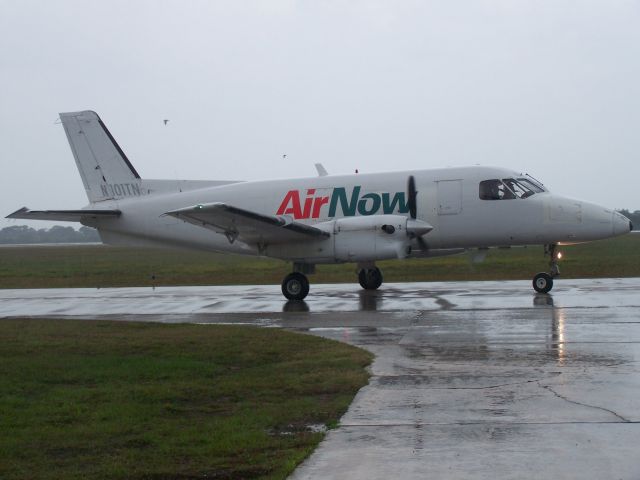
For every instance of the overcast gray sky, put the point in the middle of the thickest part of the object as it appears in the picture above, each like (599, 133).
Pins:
(551, 88)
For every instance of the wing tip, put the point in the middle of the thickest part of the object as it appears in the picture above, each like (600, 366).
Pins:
(18, 213)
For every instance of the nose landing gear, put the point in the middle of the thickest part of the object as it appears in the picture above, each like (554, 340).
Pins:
(543, 281)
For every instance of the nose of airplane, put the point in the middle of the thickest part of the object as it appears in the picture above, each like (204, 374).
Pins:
(621, 224)
(599, 222)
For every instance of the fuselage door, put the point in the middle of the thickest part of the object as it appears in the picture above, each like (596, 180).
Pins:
(449, 197)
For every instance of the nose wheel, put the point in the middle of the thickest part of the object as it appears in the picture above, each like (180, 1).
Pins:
(543, 281)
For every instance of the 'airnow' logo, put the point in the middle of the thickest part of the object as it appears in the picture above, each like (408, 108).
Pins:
(310, 206)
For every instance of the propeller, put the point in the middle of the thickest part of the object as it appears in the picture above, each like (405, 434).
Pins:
(416, 228)
(411, 196)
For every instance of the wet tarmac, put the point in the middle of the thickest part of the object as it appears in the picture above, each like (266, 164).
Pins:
(472, 380)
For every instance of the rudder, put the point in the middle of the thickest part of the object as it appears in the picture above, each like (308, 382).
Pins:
(106, 172)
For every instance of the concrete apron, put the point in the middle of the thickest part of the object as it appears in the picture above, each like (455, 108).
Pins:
(471, 379)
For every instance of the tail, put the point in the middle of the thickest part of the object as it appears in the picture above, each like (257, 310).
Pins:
(106, 171)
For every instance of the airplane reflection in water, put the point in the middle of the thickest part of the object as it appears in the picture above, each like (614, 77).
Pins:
(557, 333)
(554, 338)
(368, 301)
(558, 318)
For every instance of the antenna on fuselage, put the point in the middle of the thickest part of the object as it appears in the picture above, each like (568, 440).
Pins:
(322, 172)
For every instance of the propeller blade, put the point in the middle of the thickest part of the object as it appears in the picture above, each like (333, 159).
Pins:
(423, 245)
(402, 251)
(479, 255)
(411, 197)
(416, 229)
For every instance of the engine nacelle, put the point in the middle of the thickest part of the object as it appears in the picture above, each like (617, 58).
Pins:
(368, 238)
(355, 239)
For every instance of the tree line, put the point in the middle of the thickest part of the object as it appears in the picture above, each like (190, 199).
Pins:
(21, 234)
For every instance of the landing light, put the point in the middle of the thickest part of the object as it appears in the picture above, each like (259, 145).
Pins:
(559, 256)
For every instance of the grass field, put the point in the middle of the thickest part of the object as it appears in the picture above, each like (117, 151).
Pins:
(101, 266)
(135, 400)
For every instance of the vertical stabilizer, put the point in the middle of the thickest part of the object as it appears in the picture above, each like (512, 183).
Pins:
(106, 171)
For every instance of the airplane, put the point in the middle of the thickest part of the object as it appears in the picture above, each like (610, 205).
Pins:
(357, 218)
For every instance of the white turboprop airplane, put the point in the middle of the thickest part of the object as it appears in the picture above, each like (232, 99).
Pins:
(357, 218)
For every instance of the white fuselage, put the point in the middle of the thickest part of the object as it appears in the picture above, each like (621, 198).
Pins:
(448, 199)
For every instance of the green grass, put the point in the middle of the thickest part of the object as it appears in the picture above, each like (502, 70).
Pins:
(85, 399)
(101, 266)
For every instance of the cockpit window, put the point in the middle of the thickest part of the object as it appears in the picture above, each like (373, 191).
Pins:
(533, 186)
(494, 190)
(535, 181)
(508, 189)
(518, 188)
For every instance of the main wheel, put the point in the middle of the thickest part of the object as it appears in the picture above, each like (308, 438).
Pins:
(370, 278)
(295, 286)
(542, 282)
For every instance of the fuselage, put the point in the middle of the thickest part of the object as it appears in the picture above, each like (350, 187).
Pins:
(457, 202)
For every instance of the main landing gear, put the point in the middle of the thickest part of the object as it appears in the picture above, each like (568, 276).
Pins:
(543, 281)
(370, 278)
(295, 286)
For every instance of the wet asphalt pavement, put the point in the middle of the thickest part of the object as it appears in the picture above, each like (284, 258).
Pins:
(471, 379)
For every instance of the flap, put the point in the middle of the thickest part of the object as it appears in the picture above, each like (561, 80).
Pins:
(251, 227)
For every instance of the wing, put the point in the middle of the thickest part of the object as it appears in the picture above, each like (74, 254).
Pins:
(251, 227)
(62, 215)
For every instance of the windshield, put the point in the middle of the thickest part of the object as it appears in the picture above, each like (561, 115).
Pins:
(535, 181)
(508, 189)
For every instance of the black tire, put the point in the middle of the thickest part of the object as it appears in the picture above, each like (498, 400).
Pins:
(370, 278)
(543, 282)
(295, 286)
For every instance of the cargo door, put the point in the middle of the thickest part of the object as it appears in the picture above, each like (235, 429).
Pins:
(449, 197)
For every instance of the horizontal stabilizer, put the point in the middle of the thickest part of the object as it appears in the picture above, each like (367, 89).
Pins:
(62, 215)
(251, 227)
